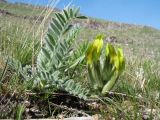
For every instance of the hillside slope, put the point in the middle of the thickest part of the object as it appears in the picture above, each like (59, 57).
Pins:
(3, 1)
(142, 40)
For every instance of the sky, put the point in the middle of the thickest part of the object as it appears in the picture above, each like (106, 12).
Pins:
(140, 12)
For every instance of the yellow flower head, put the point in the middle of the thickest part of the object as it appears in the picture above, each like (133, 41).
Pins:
(121, 60)
(111, 53)
(94, 50)
(116, 58)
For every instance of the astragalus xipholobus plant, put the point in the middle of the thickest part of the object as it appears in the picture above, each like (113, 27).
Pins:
(104, 66)
(54, 62)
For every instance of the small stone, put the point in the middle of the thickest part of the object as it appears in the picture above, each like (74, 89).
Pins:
(26, 103)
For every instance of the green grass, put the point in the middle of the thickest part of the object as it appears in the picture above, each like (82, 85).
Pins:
(21, 39)
(24, 10)
(17, 37)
